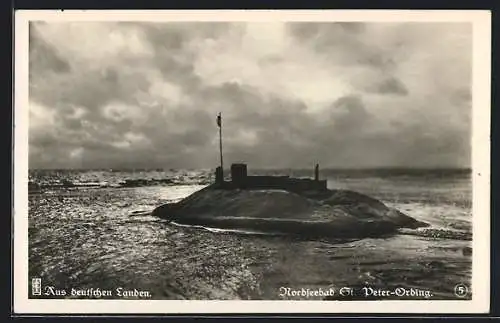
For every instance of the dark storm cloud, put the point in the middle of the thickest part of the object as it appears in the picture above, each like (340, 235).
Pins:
(391, 86)
(44, 57)
(345, 95)
(327, 38)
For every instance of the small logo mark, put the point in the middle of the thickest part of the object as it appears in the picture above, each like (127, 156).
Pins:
(36, 286)
(461, 290)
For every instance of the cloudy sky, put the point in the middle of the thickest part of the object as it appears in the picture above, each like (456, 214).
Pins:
(113, 94)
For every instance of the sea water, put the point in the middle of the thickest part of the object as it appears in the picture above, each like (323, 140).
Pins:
(92, 230)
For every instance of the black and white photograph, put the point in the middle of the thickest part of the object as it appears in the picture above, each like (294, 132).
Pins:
(305, 159)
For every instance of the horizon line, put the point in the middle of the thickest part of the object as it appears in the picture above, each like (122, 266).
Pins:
(267, 168)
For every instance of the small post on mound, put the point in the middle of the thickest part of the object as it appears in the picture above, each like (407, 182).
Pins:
(219, 177)
(219, 172)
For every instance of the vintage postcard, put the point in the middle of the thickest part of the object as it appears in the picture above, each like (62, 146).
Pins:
(324, 161)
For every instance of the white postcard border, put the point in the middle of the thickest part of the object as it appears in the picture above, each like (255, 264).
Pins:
(481, 21)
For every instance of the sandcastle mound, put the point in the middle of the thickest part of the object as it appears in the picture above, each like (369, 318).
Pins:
(326, 213)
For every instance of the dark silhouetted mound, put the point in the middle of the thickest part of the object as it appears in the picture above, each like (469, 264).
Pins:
(331, 213)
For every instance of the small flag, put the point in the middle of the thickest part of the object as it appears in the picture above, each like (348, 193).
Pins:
(219, 120)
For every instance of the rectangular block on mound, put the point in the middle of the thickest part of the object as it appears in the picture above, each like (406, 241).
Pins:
(239, 174)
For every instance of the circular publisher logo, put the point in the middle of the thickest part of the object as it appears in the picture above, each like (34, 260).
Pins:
(461, 290)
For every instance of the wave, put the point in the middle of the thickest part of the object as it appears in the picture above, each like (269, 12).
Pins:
(433, 233)
(127, 183)
(140, 213)
(220, 230)
(437, 233)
